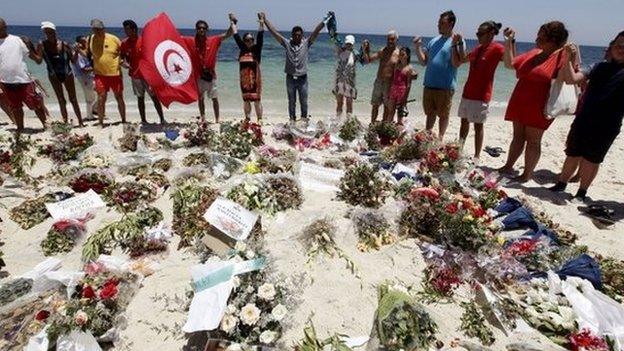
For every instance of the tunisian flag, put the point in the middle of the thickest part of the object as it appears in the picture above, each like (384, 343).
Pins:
(166, 62)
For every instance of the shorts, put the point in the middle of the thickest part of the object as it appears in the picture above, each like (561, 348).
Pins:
(381, 91)
(474, 111)
(437, 102)
(208, 88)
(590, 142)
(140, 87)
(18, 94)
(105, 83)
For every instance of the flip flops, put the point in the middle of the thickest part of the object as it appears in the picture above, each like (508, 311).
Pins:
(600, 213)
(494, 151)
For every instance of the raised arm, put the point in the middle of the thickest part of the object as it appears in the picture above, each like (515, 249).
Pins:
(230, 30)
(237, 38)
(458, 55)
(260, 35)
(510, 47)
(34, 53)
(368, 58)
(420, 53)
(280, 38)
(315, 33)
(568, 73)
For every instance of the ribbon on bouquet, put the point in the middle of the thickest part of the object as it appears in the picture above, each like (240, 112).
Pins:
(226, 273)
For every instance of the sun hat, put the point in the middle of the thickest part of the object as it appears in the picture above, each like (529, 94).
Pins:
(47, 24)
(97, 23)
(350, 39)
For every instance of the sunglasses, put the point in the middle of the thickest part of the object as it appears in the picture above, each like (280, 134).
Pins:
(201, 28)
(249, 39)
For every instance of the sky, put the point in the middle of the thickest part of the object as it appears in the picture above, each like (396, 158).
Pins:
(591, 22)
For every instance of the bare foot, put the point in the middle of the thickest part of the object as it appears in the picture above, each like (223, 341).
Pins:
(505, 170)
(521, 179)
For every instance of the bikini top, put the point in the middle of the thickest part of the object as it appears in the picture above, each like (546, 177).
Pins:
(57, 62)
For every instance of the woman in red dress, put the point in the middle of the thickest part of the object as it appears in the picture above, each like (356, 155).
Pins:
(534, 69)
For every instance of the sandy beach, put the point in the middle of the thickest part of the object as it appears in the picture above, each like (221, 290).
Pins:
(335, 300)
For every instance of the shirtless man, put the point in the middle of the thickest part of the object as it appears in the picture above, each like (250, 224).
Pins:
(388, 57)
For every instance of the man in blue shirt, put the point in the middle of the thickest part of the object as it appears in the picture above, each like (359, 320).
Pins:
(441, 56)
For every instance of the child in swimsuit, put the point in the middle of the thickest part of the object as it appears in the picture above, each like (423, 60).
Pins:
(404, 73)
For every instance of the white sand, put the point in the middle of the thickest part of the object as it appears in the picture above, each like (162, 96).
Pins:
(339, 302)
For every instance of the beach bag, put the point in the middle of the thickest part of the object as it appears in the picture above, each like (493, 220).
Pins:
(563, 97)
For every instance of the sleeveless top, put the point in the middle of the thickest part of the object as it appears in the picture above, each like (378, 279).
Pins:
(57, 63)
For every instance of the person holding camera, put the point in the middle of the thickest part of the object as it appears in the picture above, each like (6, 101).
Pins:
(206, 50)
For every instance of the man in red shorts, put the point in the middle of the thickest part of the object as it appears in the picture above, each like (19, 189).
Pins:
(105, 50)
(17, 86)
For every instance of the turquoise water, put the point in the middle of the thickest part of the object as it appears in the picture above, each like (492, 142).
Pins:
(321, 73)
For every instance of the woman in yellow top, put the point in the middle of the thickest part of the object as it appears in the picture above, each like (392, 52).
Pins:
(105, 51)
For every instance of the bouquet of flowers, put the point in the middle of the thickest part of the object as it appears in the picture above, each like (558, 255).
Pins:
(271, 160)
(421, 215)
(99, 181)
(95, 305)
(412, 148)
(96, 161)
(585, 340)
(63, 235)
(123, 233)
(439, 282)
(363, 185)
(550, 314)
(130, 138)
(130, 195)
(256, 308)
(60, 128)
(154, 177)
(381, 134)
(190, 201)
(163, 164)
(487, 184)
(318, 239)
(14, 289)
(473, 324)
(400, 322)
(534, 254)
(350, 129)
(321, 142)
(66, 147)
(196, 159)
(373, 230)
(612, 277)
(15, 160)
(465, 224)
(33, 211)
(255, 130)
(446, 158)
(200, 134)
(270, 194)
(237, 141)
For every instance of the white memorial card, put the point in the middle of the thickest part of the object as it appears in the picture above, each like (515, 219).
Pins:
(231, 218)
(318, 178)
(75, 206)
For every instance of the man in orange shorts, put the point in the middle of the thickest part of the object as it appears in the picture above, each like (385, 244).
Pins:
(105, 50)
(17, 87)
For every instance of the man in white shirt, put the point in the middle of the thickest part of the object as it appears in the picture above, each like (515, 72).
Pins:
(17, 85)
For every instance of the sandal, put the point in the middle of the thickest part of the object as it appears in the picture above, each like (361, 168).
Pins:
(600, 213)
(493, 151)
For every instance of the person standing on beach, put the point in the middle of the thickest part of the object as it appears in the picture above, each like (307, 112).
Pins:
(400, 88)
(296, 68)
(344, 85)
(598, 120)
(58, 58)
(83, 72)
(442, 57)
(105, 51)
(249, 58)
(131, 54)
(206, 50)
(474, 105)
(388, 58)
(15, 81)
(535, 70)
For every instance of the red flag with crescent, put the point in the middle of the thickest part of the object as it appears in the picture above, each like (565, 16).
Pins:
(166, 62)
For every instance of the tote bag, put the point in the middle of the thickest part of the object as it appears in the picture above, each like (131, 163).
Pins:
(563, 97)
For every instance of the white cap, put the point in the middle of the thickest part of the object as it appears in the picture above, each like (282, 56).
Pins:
(46, 24)
(350, 39)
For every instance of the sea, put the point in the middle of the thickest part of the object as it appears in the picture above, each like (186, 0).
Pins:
(321, 67)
